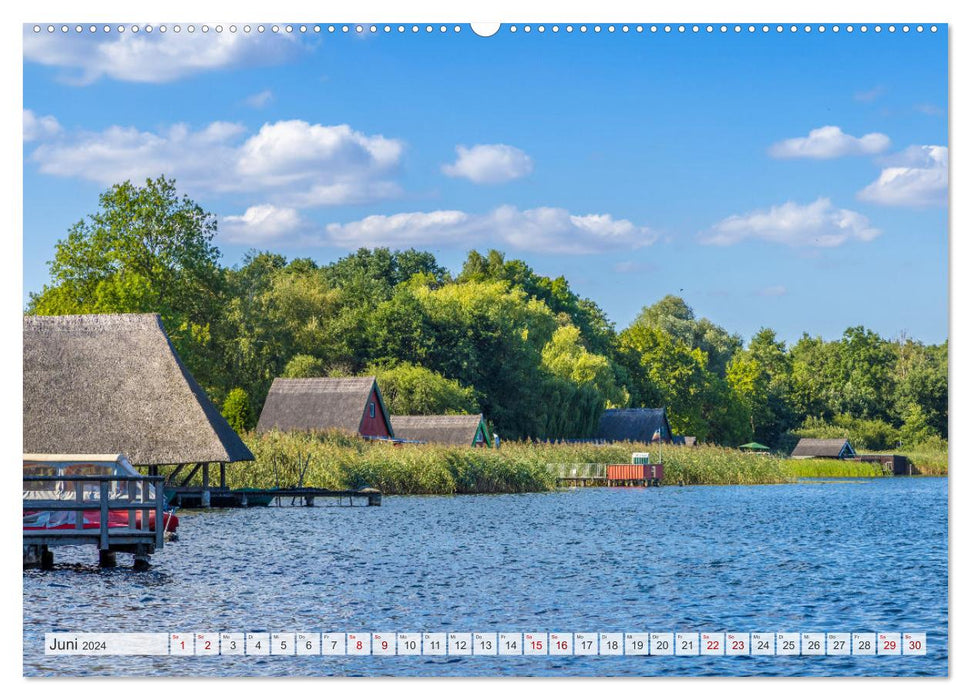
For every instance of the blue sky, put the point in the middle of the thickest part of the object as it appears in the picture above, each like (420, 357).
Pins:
(790, 180)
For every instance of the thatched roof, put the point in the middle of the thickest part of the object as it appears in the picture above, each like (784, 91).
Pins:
(633, 424)
(448, 430)
(110, 383)
(319, 403)
(838, 448)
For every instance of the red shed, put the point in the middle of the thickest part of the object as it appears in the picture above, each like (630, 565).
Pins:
(351, 404)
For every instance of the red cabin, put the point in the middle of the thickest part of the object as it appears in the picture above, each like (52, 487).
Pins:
(351, 404)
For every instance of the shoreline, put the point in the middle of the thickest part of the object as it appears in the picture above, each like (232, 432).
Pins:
(339, 462)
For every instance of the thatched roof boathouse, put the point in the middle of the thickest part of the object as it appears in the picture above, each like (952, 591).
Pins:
(464, 430)
(350, 404)
(815, 448)
(634, 425)
(113, 383)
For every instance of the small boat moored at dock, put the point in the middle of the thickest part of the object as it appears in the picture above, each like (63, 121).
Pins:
(91, 499)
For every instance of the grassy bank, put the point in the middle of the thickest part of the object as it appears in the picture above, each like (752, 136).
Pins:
(829, 468)
(339, 462)
(930, 460)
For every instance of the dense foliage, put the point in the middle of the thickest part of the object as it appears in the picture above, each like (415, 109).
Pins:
(537, 359)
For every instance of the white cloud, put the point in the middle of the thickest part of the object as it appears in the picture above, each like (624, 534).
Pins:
(829, 142)
(260, 99)
(261, 224)
(869, 95)
(776, 290)
(817, 225)
(153, 58)
(628, 267)
(293, 163)
(489, 163)
(915, 177)
(37, 128)
(544, 229)
(930, 110)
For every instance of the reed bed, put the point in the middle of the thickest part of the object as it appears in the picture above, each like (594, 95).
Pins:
(930, 460)
(336, 461)
(833, 468)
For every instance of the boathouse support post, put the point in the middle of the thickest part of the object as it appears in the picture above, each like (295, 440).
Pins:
(185, 481)
(170, 479)
(222, 475)
(205, 485)
(107, 559)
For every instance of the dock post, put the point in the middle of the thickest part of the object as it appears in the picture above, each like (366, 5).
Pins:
(374, 499)
(308, 501)
(222, 475)
(205, 485)
(141, 559)
(107, 559)
(38, 555)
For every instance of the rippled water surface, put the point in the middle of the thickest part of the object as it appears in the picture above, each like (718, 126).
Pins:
(855, 555)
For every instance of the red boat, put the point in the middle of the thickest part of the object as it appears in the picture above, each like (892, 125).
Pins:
(43, 520)
(57, 484)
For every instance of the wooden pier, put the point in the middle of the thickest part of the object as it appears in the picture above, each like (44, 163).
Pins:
(610, 475)
(100, 497)
(592, 481)
(197, 497)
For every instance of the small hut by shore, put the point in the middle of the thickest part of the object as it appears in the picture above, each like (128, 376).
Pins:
(634, 425)
(349, 404)
(464, 430)
(113, 383)
(817, 448)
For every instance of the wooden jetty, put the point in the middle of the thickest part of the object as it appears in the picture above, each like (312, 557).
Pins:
(591, 475)
(141, 536)
(197, 497)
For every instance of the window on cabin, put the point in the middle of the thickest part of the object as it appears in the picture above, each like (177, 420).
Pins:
(371, 409)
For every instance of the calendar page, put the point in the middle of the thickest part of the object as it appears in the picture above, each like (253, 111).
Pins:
(560, 349)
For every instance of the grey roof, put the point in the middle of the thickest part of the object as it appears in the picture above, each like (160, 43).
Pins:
(816, 447)
(319, 403)
(448, 430)
(110, 383)
(633, 424)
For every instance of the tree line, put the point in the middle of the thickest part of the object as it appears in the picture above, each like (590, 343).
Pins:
(538, 359)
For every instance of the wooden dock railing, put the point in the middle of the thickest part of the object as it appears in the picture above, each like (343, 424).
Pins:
(104, 495)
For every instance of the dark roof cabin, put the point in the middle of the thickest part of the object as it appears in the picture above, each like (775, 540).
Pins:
(113, 383)
(350, 404)
(465, 430)
(810, 448)
(634, 425)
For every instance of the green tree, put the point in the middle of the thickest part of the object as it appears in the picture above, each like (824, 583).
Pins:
(409, 389)
(669, 373)
(811, 390)
(593, 323)
(761, 376)
(236, 410)
(566, 357)
(304, 367)
(864, 374)
(921, 380)
(146, 249)
(673, 316)
(916, 429)
(491, 337)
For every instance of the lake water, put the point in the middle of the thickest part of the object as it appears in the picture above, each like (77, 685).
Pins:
(840, 556)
